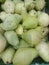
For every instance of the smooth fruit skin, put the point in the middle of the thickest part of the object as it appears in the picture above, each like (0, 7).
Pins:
(3, 43)
(43, 19)
(19, 30)
(32, 37)
(23, 44)
(3, 15)
(12, 38)
(43, 51)
(7, 55)
(24, 56)
(30, 22)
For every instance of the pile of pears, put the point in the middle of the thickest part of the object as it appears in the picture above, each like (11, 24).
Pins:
(23, 31)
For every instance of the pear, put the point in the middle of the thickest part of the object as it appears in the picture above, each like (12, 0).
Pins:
(12, 38)
(23, 44)
(8, 6)
(43, 19)
(7, 55)
(11, 22)
(19, 30)
(24, 56)
(19, 8)
(32, 37)
(3, 15)
(43, 50)
(1, 30)
(17, 1)
(39, 4)
(3, 43)
(29, 4)
(43, 31)
(33, 13)
(30, 22)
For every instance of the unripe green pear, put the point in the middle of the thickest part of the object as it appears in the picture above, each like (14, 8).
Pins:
(24, 56)
(33, 13)
(19, 8)
(39, 4)
(3, 15)
(1, 30)
(11, 22)
(17, 1)
(29, 4)
(43, 19)
(32, 37)
(43, 31)
(12, 38)
(3, 43)
(43, 50)
(30, 22)
(19, 30)
(7, 55)
(23, 44)
(8, 6)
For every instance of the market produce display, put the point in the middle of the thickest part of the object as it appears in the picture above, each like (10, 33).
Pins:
(23, 31)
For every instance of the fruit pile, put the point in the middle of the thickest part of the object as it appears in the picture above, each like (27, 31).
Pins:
(23, 31)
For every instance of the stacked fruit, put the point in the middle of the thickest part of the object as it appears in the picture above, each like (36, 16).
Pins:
(23, 31)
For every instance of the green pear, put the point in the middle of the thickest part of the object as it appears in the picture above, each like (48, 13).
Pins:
(8, 6)
(12, 38)
(1, 30)
(20, 7)
(23, 44)
(7, 55)
(43, 19)
(19, 30)
(39, 4)
(11, 22)
(43, 31)
(33, 13)
(3, 15)
(24, 56)
(30, 22)
(17, 1)
(32, 37)
(29, 4)
(24, 15)
(43, 50)
(3, 43)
